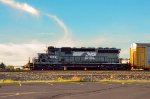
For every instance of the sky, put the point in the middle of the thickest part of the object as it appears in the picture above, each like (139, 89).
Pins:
(27, 27)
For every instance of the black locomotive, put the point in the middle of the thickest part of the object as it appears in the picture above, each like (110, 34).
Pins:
(67, 58)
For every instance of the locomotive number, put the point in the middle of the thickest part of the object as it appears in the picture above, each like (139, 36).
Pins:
(53, 57)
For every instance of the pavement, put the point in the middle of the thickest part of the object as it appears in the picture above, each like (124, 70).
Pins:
(76, 90)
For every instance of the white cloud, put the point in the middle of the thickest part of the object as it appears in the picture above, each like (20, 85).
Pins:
(125, 53)
(21, 6)
(60, 23)
(18, 54)
(67, 39)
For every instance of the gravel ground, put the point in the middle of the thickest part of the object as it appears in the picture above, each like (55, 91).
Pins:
(69, 75)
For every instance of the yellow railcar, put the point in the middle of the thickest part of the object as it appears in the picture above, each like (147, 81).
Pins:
(140, 55)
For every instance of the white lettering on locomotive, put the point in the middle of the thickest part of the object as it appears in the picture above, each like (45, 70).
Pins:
(87, 55)
(90, 55)
(53, 57)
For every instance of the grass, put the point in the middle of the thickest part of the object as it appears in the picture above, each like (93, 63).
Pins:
(46, 81)
(125, 81)
(8, 81)
(34, 81)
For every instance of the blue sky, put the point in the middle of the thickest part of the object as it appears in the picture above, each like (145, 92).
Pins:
(105, 23)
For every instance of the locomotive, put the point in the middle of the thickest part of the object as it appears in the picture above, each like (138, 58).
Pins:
(67, 58)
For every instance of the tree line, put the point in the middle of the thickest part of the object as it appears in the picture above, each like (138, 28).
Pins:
(4, 67)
